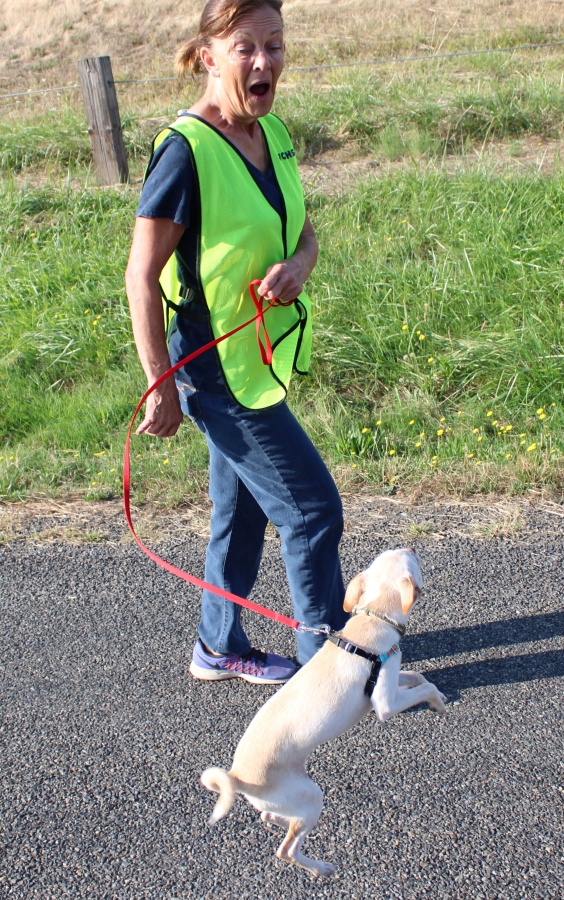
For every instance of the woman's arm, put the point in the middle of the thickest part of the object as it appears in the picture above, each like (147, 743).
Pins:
(285, 280)
(154, 242)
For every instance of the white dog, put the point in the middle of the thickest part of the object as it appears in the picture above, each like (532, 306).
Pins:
(324, 699)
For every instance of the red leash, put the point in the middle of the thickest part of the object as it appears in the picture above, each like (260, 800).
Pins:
(266, 355)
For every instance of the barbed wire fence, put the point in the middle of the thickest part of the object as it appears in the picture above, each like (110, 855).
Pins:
(342, 65)
(102, 113)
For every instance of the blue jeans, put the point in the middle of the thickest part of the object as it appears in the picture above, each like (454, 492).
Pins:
(263, 467)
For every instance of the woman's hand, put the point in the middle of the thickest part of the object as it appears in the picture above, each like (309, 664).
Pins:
(163, 415)
(285, 279)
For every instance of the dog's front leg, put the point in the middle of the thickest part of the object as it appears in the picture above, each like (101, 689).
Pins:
(410, 679)
(387, 699)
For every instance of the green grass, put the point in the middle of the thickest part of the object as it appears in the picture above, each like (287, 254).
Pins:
(438, 300)
(439, 310)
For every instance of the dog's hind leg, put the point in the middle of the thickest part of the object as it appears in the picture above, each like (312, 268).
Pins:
(275, 819)
(290, 848)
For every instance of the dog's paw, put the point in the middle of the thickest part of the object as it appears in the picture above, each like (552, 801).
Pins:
(437, 703)
(321, 869)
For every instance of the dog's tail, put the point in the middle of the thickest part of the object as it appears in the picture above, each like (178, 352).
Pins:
(225, 785)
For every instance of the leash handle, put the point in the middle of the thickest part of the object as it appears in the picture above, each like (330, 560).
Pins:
(266, 348)
(198, 582)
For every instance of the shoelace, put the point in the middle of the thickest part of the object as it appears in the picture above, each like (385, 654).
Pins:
(250, 663)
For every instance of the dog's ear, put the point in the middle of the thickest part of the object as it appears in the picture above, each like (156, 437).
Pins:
(354, 592)
(409, 593)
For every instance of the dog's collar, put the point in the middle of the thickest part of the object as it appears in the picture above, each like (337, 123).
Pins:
(374, 658)
(361, 611)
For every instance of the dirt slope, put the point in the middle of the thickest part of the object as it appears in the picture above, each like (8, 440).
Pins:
(40, 40)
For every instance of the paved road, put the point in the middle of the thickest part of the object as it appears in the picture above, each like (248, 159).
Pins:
(104, 734)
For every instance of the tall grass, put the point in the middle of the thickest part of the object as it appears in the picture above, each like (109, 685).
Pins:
(439, 339)
(432, 109)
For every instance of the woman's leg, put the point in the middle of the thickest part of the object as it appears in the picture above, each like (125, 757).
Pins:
(233, 555)
(284, 476)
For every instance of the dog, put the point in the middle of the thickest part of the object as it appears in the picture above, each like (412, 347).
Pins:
(325, 698)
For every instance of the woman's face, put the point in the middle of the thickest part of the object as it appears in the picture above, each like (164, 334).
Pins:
(247, 63)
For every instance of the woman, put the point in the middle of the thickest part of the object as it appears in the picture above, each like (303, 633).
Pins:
(222, 201)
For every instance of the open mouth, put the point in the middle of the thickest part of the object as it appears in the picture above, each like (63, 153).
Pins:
(260, 88)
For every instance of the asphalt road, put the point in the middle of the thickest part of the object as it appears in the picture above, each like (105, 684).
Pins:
(103, 733)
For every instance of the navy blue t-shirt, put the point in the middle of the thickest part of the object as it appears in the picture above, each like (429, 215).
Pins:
(170, 192)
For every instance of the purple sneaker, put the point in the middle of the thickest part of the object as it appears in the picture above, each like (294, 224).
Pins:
(255, 666)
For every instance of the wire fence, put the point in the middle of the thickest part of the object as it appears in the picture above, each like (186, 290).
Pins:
(343, 65)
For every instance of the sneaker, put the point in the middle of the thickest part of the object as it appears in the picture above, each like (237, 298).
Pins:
(255, 666)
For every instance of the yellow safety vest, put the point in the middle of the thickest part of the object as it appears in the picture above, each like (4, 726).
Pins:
(240, 236)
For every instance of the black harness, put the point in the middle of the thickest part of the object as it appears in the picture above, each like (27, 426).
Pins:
(376, 661)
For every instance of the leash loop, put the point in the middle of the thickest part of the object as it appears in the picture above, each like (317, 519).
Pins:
(266, 356)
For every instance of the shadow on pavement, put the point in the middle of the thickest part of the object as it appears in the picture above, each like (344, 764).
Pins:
(501, 670)
(448, 641)
(504, 670)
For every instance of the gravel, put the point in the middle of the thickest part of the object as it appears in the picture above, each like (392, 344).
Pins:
(104, 734)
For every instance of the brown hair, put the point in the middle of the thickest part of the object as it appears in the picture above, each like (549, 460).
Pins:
(218, 18)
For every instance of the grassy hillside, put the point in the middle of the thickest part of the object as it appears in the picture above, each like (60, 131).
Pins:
(438, 298)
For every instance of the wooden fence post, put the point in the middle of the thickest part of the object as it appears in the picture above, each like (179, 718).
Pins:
(104, 125)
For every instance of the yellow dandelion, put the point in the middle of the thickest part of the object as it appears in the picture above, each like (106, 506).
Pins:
(422, 435)
(137, 455)
(553, 451)
(542, 416)
(165, 462)
(489, 412)
(442, 419)
(531, 447)
(389, 238)
(495, 422)
(392, 452)
(421, 337)
(101, 453)
(521, 443)
(353, 452)
(523, 434)
(478, 462)
(418, 444)
(10, 457)
(504, 209)
(86, 311)
(364, 430)
(404, 326)
(403, 221)
(459, 413)
(540, 410)
(418, 331)
(354, 465)
(412, 421)
(379, 422)
(470, 456)
(392, 480)
(431, 359)
(74, 454)
(440, 431)
(480, 439)
(508, 455)
(93, 484)
(508, 428)
(434, 457)
(475, 430)
(98, 474)
(553, 404)
(112, 470)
